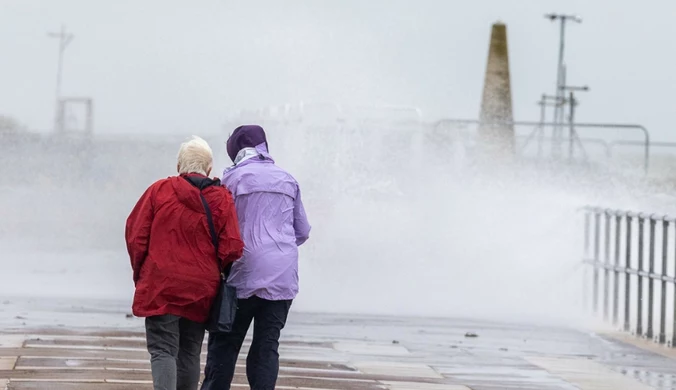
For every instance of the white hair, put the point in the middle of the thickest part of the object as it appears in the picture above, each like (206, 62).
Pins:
(195, 156)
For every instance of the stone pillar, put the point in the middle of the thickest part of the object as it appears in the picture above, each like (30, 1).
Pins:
(496, 104)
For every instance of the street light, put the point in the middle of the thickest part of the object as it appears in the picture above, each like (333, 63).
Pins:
(560, 78)
(64, 39)
(553, 17)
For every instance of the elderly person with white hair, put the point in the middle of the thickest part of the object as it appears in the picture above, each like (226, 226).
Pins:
(175, 264)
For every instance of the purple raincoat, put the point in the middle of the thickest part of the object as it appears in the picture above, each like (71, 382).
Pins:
(272, 223)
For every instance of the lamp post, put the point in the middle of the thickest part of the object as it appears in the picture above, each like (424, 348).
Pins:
(560, 77)
(64, 39)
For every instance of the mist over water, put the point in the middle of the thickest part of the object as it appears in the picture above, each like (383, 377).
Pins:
(406, 221)
(403, 223)
(425, 239)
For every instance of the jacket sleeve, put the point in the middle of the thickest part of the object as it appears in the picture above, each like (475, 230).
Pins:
(230, 245)
(137, 231)
(300, 222)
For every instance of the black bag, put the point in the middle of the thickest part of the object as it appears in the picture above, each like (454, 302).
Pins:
(223, 310)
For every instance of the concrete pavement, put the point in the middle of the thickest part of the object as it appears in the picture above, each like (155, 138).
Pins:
(342, 352)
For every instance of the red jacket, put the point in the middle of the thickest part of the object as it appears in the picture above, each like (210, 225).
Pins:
(171, 251)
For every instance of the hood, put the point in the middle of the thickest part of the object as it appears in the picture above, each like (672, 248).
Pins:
(260, 151)
(187, 189)
(247, 155)
(246, 136)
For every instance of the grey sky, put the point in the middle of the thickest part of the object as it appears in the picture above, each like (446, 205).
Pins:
(177, 66)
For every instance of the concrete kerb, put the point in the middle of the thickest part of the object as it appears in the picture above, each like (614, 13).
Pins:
(642, 343)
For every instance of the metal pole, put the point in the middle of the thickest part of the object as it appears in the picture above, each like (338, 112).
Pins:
(541, 129)
(90, 117)
(59, 67)
(663, 294)
(59, 74)
(639, 302)
(627, 279)
(651, 282)
(673, 319)
(585, 282)
(616, 284)
(597, 248)
(562, 102)
(606, 260)
(559, 77)
(571, 131)
(64, 40)
(61, 123)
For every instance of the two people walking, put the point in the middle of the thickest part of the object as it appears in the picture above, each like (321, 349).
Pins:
(260, 219)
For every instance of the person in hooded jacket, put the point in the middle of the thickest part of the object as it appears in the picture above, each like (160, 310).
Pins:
(273, 224)
(175, 265)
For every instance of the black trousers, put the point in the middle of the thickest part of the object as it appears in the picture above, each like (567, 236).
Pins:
(262, 363)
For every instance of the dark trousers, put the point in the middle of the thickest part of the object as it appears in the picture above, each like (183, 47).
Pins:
(175, 345)
(262, 363)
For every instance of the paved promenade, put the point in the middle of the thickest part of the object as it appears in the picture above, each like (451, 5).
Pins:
(76, 347)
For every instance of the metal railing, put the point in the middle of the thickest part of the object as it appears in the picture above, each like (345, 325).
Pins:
(634, 253)
(538, 126)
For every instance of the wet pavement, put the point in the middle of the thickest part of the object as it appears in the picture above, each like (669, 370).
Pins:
(77, 347)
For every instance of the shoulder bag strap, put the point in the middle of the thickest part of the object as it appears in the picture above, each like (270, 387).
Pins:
(212, 230)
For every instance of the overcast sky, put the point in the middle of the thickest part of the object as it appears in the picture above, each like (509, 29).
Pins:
(173, 66)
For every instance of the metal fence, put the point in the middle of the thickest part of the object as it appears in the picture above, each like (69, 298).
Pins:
(575, 141)
(633, 265)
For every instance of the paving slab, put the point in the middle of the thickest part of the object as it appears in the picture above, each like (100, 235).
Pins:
(422, 386)
(321, 351)
(587, 374)
(412, 370)
(8, 362)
